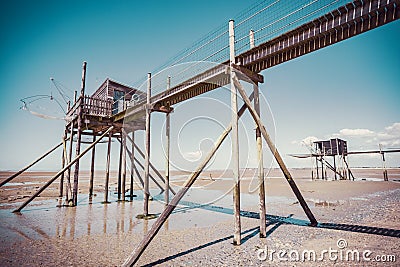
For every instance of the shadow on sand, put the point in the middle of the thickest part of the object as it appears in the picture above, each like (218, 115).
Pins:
(271, 220)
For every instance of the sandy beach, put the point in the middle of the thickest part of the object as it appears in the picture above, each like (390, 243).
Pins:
(362, 214)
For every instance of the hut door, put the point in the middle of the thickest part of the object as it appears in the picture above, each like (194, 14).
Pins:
(118, 103)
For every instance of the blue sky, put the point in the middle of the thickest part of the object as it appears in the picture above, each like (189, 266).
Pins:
(349, 90)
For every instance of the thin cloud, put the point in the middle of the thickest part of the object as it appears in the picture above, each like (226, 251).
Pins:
(356, 132)
(193, 155)
(389, 136)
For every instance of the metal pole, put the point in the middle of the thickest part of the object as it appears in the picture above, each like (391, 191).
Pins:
(235, 141)
(251, 34)
(92, 167)
(63, 170)
(147, 147)
(79, 135)
(275, 152)
(107, 168)
(167, 148)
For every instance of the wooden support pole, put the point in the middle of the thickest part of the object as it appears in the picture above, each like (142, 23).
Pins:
(167, 148)
(334, 166)
(63, 158)
(123, 164)
(63, 170)
(92, 167)
(30, 165)
(275, 153)
(133, 167)
(151, 165)
(139, 176)
(261, 185)
(79, 135)
(385, 175)
(167, 156)
(134, 257)
(64, 154)
(147, 147)
(119, 170)
(235, 142)
(107, 168)
(141, 166)
(71, 143)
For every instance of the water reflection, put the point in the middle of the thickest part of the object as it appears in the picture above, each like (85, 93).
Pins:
(43, 219)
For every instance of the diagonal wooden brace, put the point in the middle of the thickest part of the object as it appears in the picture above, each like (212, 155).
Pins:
(30, 165)
(275, 152)
(63, 170)
(151, 165)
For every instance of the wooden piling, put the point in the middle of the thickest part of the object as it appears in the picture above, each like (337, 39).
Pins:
(63, 158)
(260, 170)
(92, 167)
(385, 175)
(167, 148)
(123, 164)
(107, 168)
(79, 135)
(235, 142)
(133, 167)
(147, 147)
(334, 166)
(71, 143)
(119, 170)
(261, 184)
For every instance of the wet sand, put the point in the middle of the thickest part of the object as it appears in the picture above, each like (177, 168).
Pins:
(199, 233)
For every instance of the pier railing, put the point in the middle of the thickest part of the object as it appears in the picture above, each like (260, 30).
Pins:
(92, 106)
(98, 107)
